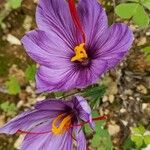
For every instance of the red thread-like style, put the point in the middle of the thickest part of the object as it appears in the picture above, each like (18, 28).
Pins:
(75, 18)
(77, 125)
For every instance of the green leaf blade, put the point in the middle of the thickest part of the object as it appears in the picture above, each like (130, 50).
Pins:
(95, 141)
(8, 107)
(148, 58)
(138, 140)
(30, 72)
(13, 86)
(88, 129)
(95, 94)
(133, 1)
(146, 3)
(147, 49)
(128, 144)
(14, 4)
(126, 10)
(147, 139)
(139, 130)
(141, 18)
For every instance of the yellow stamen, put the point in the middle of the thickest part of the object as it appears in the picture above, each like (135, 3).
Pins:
(80, 53)
(63, 126)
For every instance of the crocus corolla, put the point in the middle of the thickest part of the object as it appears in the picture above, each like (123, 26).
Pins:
(73, 44)
(53, 125)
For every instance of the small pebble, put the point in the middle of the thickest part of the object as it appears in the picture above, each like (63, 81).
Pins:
(142, 89)
(29, 89)
(123, 110)
(13, 40)
(101, 112)
(123, 97)
(113, 129)
(40, 98)
(128, 92)
(20, 103)
(142, 41)
(106, 112)
(128, 79)
(18, 143)
(125, 123)
(2, 120)
(104, 99)
(35, 1)
(138, 99)
(148, 33)
(131, 98)
(144, 106)
(27, 23)
(111, 98)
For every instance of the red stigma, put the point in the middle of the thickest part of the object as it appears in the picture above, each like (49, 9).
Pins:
(77, 125)
(75, 18)
(100, 118)
(28, 132)
(93, 119)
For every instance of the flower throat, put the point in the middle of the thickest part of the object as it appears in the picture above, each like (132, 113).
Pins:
(80, 52)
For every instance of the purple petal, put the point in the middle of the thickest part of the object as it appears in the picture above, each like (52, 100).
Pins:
(89, 74)
(47, 141)
(49, 105)
(81, 141)
(93, 18)
(26, 121)
(43, 111)
(68, 78)
(54, 15)
(59, 79)
(61, 142)
(48, 79)
(83, 109)
(47, 49)
(37, 141)
(114, 44)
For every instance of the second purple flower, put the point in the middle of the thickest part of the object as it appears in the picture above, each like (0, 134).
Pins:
(53, 125)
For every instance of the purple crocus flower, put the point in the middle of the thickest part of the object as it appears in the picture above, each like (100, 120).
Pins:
(53, 124)
(73, 44)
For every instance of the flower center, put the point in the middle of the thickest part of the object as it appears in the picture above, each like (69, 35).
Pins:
(61, 124)
(80, 53)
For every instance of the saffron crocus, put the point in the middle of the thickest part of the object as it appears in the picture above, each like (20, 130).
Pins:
(73, 44)
(53, 125)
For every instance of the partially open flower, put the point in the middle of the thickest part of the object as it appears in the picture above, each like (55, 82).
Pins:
(53, 125)
(73, 44)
